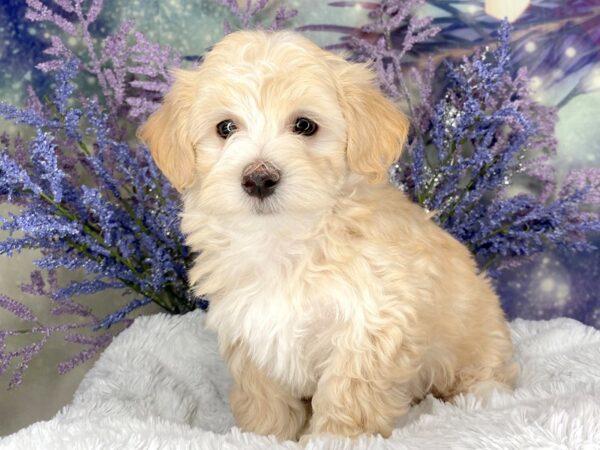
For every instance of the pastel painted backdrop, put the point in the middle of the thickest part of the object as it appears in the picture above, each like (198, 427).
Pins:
(558, 41)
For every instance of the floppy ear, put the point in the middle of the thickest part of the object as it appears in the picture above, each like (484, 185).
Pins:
(376, 129)
(166, 132)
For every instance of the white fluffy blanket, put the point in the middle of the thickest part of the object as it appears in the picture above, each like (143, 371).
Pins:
(162, 385)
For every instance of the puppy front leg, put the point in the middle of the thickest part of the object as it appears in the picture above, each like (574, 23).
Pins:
(260, 404)
(365, 386)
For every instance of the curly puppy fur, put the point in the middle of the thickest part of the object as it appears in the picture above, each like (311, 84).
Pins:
(336, 300)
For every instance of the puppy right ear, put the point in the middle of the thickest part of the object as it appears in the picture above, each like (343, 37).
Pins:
(377, 130)
(166, 132)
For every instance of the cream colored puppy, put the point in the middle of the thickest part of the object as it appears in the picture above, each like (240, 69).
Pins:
(336, 300)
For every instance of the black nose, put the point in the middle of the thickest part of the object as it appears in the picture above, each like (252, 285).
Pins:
(260, 179)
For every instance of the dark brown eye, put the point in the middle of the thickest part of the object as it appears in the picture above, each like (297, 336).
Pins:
(305, 127)
(226, 128)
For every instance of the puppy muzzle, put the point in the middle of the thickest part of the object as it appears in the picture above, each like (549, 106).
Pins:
(260, 179)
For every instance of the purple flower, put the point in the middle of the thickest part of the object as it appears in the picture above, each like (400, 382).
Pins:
(283, 16)
(38, 12)
(586, 181)
(95, 344)
(246, 16)
(85, 287)
(122, 67)
(64, 89)
(468, 145)
(17, 308)
(120, 314)
(151, 69)
(26, 354)
(29, 117)
(71, 308)
(14, 179)
(89, 200)
(37, 285)
(45, 164)
(388, 41)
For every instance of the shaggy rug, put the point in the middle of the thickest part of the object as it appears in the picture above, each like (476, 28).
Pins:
(161, 384)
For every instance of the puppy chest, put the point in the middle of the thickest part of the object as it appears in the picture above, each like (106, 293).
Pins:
(289, 343)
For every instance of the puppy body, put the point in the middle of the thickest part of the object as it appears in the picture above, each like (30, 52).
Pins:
(336, 288)
(365, 310)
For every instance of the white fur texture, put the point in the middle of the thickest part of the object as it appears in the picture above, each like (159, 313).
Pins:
(162, 385)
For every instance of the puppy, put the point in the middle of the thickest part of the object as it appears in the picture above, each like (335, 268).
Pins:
(337, 301)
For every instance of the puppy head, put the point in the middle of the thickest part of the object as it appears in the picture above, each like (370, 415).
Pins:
(272, 123)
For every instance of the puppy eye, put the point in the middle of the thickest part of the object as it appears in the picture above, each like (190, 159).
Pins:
(226, 128)
(305, 127)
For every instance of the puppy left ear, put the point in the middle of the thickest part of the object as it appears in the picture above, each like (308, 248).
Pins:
(376, 130)
(166, 131)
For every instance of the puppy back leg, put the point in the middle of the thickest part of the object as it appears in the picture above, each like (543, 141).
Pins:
(260, 404)
(486, 363)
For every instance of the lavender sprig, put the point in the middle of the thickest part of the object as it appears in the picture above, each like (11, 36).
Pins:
(375, 44)
(132, 73)
(247, 16)
(467, 148)
(89, 200)
(41, 333)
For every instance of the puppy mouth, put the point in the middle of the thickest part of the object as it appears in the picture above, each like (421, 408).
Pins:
(264, 207)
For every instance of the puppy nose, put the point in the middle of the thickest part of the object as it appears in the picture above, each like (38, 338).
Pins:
(260, 179)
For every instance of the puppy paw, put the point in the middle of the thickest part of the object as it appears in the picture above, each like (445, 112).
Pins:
(485, 391)
(303, 441)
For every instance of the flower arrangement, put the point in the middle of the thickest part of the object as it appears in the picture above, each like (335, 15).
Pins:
(91, 198)
(482, 134)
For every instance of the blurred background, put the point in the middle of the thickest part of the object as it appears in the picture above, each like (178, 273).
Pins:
(558, 41)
